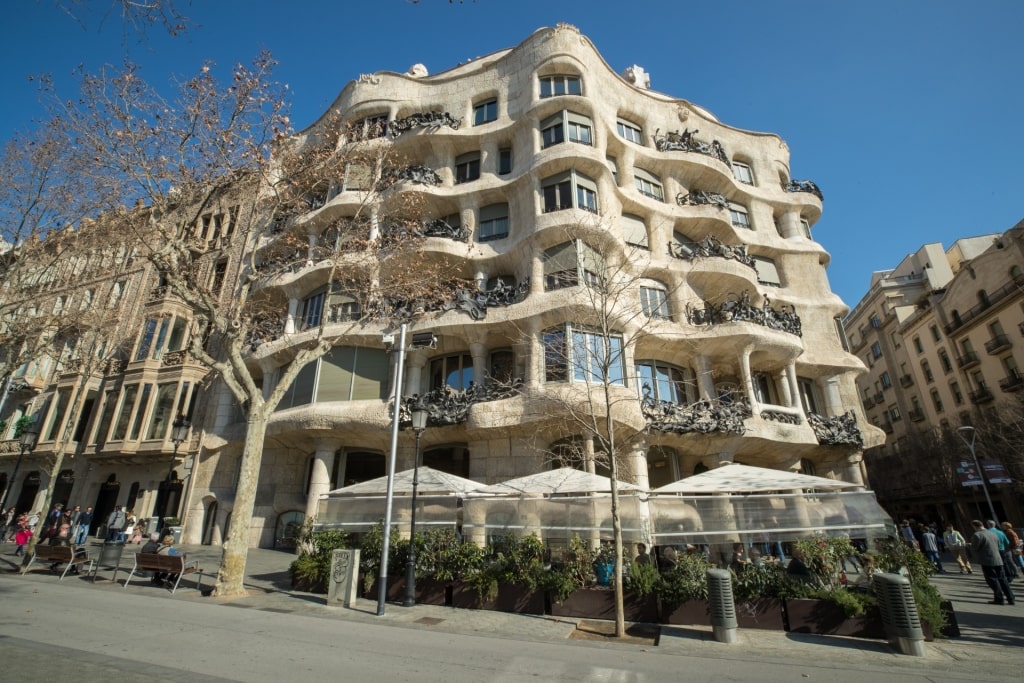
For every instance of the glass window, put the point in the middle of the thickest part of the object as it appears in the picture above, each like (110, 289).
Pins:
(917, 345)
(160, 419)
(57, 416)
(146, 340)
(313, 310)
(485, 112)
(936, 401)
(654, 302)
(550, 86)
(630, 131)
(567, 263)
(742, 173)
(467, 167)
(634, 230)
(593, 357)
(807, 394)
(926, 369)
(140, 412)
(569, 190)
(352, 374)
(739, 217)
(648, 185)
(954, 388)
(493, 223)
(876, 350)
(158, 348)
(665, 383)
(935, 333)
(455, 372)
(504, 161)
(886, 380)
(127, 402)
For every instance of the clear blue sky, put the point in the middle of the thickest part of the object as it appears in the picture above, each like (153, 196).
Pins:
(907, 113)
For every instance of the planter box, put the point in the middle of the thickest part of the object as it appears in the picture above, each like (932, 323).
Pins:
(690, 613)
(395, 591)
(430, 592)
(599, 603)
(510, 598)
(824, 617)
(309, 586)
(760, 613)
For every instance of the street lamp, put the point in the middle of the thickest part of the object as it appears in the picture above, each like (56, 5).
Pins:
(179, 434)
(419, 423)
(26, 444)
(963, 432)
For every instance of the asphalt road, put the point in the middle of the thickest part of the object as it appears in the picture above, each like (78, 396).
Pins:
(52, 630)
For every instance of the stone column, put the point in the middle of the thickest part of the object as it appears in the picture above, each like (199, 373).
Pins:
(789, 223)
(414, 362)
(705, 382)
(833, 401)
(320, 476)
(480, 370)
(853, 471)
(533, 346)
(784, 389)
(748, 381)
(537, 274)
(794, 386)
(289, 322)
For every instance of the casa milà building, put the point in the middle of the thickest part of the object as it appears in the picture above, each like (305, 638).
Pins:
(538, 166)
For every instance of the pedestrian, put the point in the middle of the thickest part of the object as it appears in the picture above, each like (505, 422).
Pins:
(22, 537)
(931, 549)
(1009, 568)
(642, 557)
(115, 525)
(82, 530)
(957, 546)
(10, 525)
(907, 534)
(1016, 546)
(797, 569)
(985, 545)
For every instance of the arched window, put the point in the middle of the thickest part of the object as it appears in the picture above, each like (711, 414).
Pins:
(450, 459)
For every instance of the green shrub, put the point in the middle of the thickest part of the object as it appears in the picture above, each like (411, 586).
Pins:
(371, 546)
(575, 571)
(440, 554)
(687, 580)
(896, 557)
(764, 580)
(316, 552)
(643, 579)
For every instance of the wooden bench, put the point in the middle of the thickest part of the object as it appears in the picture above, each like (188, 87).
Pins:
(175, 565)
(60, 554)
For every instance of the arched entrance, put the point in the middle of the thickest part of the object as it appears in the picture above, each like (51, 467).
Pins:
(209, 522)
(62, 489)
(29, 490)
(133, 497)
(168, 497)
(106, 499)
(289, 524)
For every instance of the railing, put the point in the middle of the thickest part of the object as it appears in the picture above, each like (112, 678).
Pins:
(879, 398)
(869, 403)
(447, 406)
(839, 429)
(887, 427)
(702, 417)
(711, 247)
(1012, 383)
(428, 119)
(740, 309)
(687, 142)
(967, 360)
(906, 381)
(916, 415)
(1015, 286)
(178, 358)
(804, 186)
(982, 395)
(997, 343)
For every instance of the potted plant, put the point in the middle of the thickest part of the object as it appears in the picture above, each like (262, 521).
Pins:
(756, 591)
(311, 569)
(510, 579)
(371, 547)
(683, 591)
(441, 560)
(937, 616)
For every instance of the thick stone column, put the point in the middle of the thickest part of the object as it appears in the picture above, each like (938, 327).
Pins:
(785, 390)
(289, 322)
(705, 382)
(794, 386)
(320, 476)
(748, 381)
(833, 400)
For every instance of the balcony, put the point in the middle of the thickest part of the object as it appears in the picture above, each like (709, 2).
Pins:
(916, 415)
(1012, 383)
(869, 402)
(1012, 287)
(968, 360)
(998, 343)
(906, 381)
(711, 247)
(887, 427)
(879, 398)
(982, 395)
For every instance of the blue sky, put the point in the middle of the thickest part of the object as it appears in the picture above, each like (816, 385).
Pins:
(907, 113)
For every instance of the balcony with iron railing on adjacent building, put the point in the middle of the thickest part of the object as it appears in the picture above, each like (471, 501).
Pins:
(981, 395)
(915, 414)
(1014, 286)
(906, 381)
(998, 343)
(869, 402)
(1013, 382)
(968, 360)
(879, 397)
(887, 427)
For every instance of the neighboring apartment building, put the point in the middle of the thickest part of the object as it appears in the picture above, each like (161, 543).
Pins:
(543, 166)
(937, 333)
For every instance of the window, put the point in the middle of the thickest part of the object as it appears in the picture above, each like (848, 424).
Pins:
(467, 167)
(455, 372)
(140, 412)
(805, 227)
(917, 345)
(807, 394)
(57, 416)
(874, 320)
(885, 380)
(682, 246)
(936, 401)
(876, 350)
(593, 357)
(493, 223)
(566, 125)
(665, 383)
(742, 173)
(739, 217)
(352, 374)
(569, 190)
(146, 340)
(566, 264)
(312, 310)
(115, 294)
(947, 367)
(551, 86)
(634, 230)
(654, 301)
(373, 126)
(894, 414)
(958, 397)
(127, 403)
(613, 168)
(504, 161)
(629, 131)
(935, 333)
(485, 112)
(160, 420)
(648, 185)
(220, 271)
(767, 273)
(926, 369)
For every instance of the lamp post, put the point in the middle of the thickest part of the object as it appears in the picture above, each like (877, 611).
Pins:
(963, 431)
(179, 434)
(419, 423)
(26, 444)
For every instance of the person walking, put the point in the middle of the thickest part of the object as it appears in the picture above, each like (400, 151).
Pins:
(82, 529)
(985, 545)
(1005, 549)
(931, 549)
(115, 525)
(956, 544)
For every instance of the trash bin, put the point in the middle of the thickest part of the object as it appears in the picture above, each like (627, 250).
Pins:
(176, 532)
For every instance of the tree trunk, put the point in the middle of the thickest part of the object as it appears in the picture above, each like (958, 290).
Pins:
(231, 576)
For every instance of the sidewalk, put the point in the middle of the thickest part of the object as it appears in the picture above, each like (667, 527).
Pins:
(986, 629)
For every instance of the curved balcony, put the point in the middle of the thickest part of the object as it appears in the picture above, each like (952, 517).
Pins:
(804, 186)
(838, 430)
(687, 141)
(740, 309)
(429, 120)
(702, 417)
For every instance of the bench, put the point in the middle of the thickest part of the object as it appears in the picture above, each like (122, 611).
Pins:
(175, 565)
(60, 554)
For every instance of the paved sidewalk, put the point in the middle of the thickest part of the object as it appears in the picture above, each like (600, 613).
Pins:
(986, 629)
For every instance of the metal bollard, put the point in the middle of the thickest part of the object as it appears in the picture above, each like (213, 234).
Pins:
(899, 613)
(723, 606)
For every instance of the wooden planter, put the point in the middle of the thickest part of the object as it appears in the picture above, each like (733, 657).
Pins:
(309, 586)
(510, 598)
(690, 613)
(599, 603)
(805, 615)
(395, 591)
(760, 613)
(430, 591)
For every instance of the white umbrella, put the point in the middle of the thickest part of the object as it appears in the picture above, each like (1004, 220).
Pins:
(736, 478)
(564, 480)
(431, 482)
